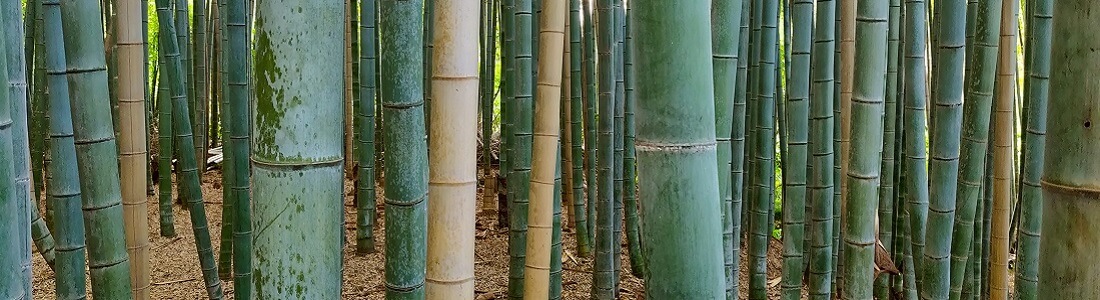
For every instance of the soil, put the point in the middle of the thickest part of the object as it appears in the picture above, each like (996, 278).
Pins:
(176, 273)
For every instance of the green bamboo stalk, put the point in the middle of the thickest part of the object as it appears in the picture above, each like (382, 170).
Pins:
(164, 154)
(763, 151)
(39, 111)
(725, 19)
(837, 161)
(975, 135)
(630, 183)
(199, 88)
(94, 137)
(236, 57)
(863, 172)
(229, 199)
(507, 31)
(887, 196)
(737, 150)
(798, 109)
(590, 101)
(1027, 266)
(522, 115)
(945, 134)
(677, 153)
(11, 282)
(576, 111)
(618, 137)
(406, 156)
(822, 153)
(302, 242)
(17, 94)
(555, 238)
(189, 182)
(428, 32)
(364, 186)
(916, 157)
(183, 39)
(603, 275)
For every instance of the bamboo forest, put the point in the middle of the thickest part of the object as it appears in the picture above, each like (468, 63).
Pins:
(549, 149)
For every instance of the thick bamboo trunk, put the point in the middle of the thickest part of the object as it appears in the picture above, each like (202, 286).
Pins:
(677, 152)
(297, 152)
(17, 94)
(452, 184)
(11, 282)
(131, 101)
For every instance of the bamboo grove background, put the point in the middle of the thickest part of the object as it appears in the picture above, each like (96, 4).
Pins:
(896, 149)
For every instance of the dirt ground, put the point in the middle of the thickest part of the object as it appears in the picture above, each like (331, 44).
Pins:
(176, 273)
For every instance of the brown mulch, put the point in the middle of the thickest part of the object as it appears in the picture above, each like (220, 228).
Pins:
(176, 273)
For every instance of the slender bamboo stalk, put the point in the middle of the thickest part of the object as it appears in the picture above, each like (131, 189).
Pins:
(199, 86)
(165, 147)
(821, 185)
(102, 209)
(630, 173)
(237, 55)
(763, 151)
(131, 93)
(520, 160)
(406, 157)
(545, 150)
(618, 138)
(603, 275)
(737, 149)
(798, 109)
(975, 135)
(189, 182)
(944, 134)
(364, 185)
(590, 101)
(914, 137)
(887, 196)
(863, 172)
(487, 93)
(676, 151)
(1027, 268)
(725, 19)
(229, 199)
(1003, 153)
(576, 130)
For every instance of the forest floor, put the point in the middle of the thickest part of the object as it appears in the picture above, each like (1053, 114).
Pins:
(176, 273)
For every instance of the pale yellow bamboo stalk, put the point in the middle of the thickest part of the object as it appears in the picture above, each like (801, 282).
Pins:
(544, 158)
(1003, 140)
(567, 138)
(132, 135)
(452, 179)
